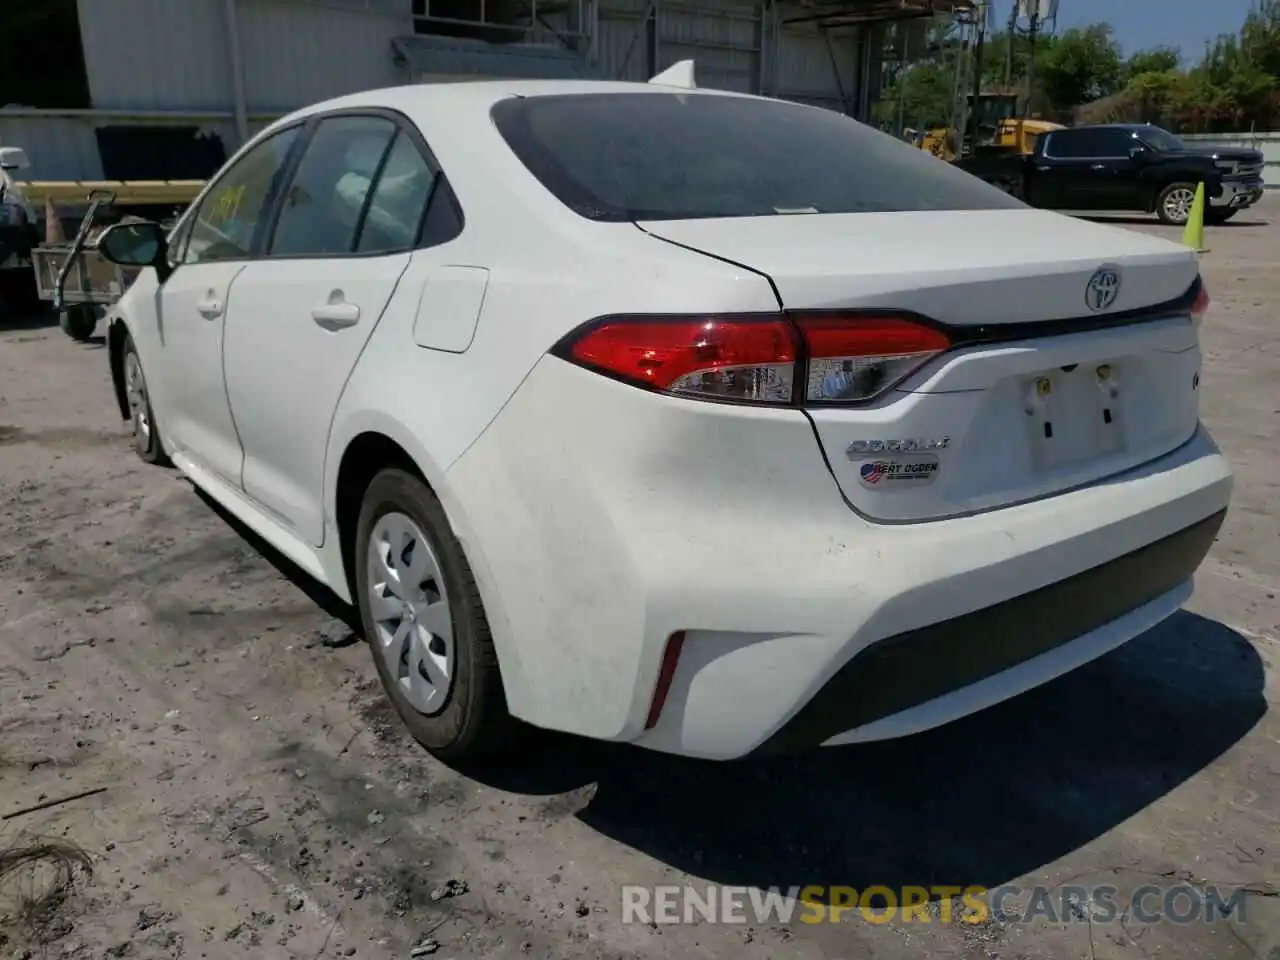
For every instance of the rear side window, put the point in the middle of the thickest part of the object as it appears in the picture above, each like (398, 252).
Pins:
(396, 207)
(660, 156)
(1087, 144)
(323, 204)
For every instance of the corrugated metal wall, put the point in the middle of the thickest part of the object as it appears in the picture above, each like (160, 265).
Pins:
(59, 149)
(817, 69)
(158, 54)
(173, 55)
(296, 53)
(737, 45)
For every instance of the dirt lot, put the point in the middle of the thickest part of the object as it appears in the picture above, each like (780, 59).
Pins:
(257, 798)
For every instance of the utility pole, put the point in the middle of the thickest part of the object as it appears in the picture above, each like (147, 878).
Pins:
(978, 46)
(1012, 36)
(1033, 34)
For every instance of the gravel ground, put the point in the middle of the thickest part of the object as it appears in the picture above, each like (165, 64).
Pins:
(258, 799)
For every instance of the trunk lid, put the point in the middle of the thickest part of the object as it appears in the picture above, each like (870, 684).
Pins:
(994, 424)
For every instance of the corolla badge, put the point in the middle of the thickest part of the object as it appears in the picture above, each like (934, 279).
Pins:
(1103, 288)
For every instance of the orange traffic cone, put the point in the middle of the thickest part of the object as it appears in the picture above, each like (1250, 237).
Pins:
(53, 233)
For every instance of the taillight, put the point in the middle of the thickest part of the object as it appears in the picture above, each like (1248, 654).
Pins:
(811, 357)
(1201, 304)
(750, 358)
(855, 358)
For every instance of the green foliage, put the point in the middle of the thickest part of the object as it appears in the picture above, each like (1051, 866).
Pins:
(1082, 74)
(1081, 65)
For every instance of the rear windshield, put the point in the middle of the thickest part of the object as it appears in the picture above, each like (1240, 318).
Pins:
(659, 156)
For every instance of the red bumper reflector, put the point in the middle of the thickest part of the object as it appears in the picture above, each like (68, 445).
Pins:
(670, 657)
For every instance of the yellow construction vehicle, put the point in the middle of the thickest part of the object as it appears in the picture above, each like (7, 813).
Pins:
(998, 124)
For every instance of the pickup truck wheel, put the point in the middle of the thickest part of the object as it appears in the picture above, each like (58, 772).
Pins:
(1174, 205)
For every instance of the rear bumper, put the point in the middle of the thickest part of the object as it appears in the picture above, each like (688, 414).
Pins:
(1237, 194)
(600, 519)
(880, 693)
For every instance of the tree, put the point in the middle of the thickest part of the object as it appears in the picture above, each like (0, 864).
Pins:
(1159, 60)
(1082, 64)
(1082, 73)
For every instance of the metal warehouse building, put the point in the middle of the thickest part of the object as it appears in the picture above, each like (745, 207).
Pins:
(155, 89)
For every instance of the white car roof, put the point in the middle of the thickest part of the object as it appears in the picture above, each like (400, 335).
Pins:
(470, 94)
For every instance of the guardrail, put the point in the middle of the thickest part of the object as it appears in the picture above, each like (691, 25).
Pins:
(1268, 143)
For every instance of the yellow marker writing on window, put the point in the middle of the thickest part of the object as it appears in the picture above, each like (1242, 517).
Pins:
(228, 204)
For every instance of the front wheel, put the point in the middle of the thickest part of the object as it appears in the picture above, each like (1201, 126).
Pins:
(424, 620)
(146, 435)
(1174, 204)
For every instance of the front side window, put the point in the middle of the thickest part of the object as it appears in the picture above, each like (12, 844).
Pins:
(326, 198)
(225, 226)
(674, 156)
(1115, 143)
(1161, 140)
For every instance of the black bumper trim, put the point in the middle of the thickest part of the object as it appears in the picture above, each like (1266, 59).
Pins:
(912, 668)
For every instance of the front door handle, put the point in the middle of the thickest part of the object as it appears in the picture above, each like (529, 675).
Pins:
(1098, 166)
(210, 308)
(336, 316)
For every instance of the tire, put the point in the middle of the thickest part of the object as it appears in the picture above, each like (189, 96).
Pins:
(1173, 206)
(461, 713)
(146, 433)
(79, 322)
(1217, 217)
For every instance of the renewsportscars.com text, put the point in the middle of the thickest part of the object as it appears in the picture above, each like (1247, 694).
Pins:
(1174, 903)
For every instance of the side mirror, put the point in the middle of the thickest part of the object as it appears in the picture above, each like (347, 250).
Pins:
(14, 158)
(1137, 153)
(138, 244)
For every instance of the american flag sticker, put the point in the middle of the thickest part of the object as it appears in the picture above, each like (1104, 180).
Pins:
(899, 472)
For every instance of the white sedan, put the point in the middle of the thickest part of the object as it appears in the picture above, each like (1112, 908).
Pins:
(705, 422)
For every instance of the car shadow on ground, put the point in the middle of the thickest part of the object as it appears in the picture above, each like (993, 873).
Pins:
(316, 592)
(1140, 221)
(980, 801)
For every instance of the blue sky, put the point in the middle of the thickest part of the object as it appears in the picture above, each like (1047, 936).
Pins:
(1140, 24)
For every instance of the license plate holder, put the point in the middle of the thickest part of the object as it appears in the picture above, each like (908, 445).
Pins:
(1073, 415)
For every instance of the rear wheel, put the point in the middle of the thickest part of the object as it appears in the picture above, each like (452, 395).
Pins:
(146, 435)
(1174, 204)
(424, 620)
(79, 322)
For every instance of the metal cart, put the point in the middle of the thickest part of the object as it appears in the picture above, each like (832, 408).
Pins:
(77, 279)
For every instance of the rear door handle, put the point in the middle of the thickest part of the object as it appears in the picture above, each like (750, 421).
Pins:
(210, 308)
(336, 316)
(1098, 166)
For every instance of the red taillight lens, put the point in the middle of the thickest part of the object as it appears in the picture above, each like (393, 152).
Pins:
(853, 358)
(813, 357)
(1201, 304)
(730, 358)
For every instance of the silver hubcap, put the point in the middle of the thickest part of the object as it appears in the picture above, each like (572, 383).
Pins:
(136, 391)
(1178, 203)
(411, 612)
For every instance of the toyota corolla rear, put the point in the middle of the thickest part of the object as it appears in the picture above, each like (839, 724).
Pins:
(935, 448)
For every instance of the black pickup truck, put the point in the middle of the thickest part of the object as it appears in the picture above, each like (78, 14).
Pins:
(1132, 167)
